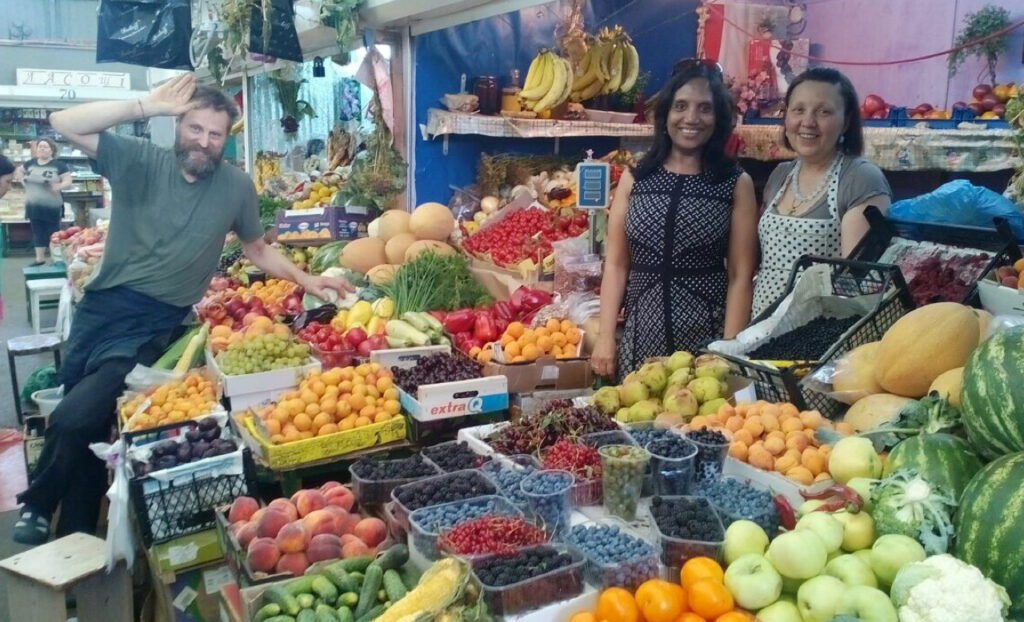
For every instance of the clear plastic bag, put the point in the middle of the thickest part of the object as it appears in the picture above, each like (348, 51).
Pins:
(120, 543)
(1000, 323)
(142, 378)
(576, 268)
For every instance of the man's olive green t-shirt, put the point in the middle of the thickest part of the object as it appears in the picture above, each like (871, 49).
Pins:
(166, 234)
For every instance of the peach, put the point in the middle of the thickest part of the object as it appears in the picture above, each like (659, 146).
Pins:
(372, 531)
(294, 537)
(307, 501)
(257, 515)
(350, 523)
(329, 485)
(320, 521)
(242, 508)
(263, 554)
(340, 518)
(295, 563)
(271, 523)
(354, 548)
(234, 528)
(346, 538)
(324, 546)
(285, 506)
(341, 497)
(246, 534)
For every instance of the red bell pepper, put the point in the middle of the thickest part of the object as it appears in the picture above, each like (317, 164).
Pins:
(463, 341)
(460, 321)
(517, 297)
(503, 311)
(484, 328)
(440, 315)
(502, 325)
(535, 299)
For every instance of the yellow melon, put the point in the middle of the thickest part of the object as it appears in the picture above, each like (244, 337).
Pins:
(874, 410)
(854, 377)
(384, 273)
(362, 254)
(396, 247)
(428, 246)
(923, 344)
(984, 317)
(432, 221)
(948, 386)
(392, 223)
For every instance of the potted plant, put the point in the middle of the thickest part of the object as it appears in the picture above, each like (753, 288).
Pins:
(984, 23)
(287, 82)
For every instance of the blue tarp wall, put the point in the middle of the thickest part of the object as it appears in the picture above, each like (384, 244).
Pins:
(663, 31)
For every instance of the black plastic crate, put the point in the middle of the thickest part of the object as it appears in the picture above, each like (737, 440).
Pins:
(999, 242)
(169, 510)
(849, 279)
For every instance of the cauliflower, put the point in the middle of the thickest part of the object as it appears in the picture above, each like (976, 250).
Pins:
(943, 588)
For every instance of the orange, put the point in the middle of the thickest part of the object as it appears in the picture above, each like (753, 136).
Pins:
(559, 339)
(553, 325)
(545, 343)
(505, 340)
(566, 325)
(661, 601)
(573, 336)
(690, 616)
(531, 352)
(697, 568)
(511, 350)
(583, 616)
(709, 598)
(616, 604)
(302, 422)
(515, 330)
(735, 616)
(328, 428)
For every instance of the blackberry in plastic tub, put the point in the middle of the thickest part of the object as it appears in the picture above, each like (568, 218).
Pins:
(712, 447)
(687, 527)
(437, 490)
(373, 480)
(614, 557)
(735, 500)
(454, 456)
(529, 579)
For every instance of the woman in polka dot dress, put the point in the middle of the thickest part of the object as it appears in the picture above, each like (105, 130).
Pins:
(815, 204)
(681, 247)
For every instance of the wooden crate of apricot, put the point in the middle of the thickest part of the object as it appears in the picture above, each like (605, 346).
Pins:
(776, 437)
(331, 413)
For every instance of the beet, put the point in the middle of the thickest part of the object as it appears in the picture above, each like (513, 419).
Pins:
(193, 435)
(208, 423)
(184, 453)
(211, 434)
(165, 462)
(199, 448)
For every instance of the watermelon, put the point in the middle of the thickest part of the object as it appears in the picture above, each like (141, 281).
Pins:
(992, 398)
(942, 459)
(989, 529)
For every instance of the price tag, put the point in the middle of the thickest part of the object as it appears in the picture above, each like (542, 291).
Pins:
(593, 186)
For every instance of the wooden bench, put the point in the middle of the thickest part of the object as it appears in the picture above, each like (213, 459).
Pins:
(39, 580)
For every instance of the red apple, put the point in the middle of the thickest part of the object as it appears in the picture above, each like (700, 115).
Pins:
(378, 342)
(363, 349)
(981, 91)
(355, 336)
(872, 104)
(976, 108)
(989, 102)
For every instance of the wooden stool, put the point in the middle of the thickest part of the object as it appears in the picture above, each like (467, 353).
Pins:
(39, 579)
(35, 273)
(38, 291)
(23, 346)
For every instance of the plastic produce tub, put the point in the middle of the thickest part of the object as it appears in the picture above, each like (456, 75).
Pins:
(629, 572)
(424, 535)
(430, 453)
(375, 492)
(535, 592)
(675, 551)
(480, 483)
(520, 464)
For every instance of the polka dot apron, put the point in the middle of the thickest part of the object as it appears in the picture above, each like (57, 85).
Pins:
(784, 239)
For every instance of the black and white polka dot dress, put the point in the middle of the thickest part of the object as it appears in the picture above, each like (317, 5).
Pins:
(677, 228)
(784, 239)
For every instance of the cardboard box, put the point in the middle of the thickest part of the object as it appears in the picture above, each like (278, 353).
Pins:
(447, 400)
(352, 222)
(190, 596)
(314, 225)
(261, 382)
(186, 552)
(309, 450)
(32, 445)
(405, 358)
(544, 373)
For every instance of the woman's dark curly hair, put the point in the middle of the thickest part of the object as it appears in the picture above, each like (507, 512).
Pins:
(714, 158)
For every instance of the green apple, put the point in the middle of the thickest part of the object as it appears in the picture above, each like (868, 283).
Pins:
(826, 527)
(867, 604)
(854, 456)
(753, 581)
(743, 537)
(780, 611)
(790, 587)
(892, 552)
(863, 487)
(858, 530)
(818, 598)
(798, 554)
(864, 555)
(851, 570)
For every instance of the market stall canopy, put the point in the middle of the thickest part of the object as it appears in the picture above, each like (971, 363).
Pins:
(424, 17)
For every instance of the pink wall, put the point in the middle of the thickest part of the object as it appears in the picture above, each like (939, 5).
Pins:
(875, 30)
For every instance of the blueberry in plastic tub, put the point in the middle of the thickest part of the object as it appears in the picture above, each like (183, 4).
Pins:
(428, 523)
(373, 480)
(686, 527)
(454, 456)
(622, 474)
(643, 433)
(531, 578)
(614, 556)
(437, 490)
(672, 465)
(549, 496)
(508, 472)
(735, 500)
(597, 440)
(712, 447)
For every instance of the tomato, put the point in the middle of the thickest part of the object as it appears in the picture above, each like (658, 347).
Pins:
(709, 598)
(697, 568)
(661, 601)
(616, 604)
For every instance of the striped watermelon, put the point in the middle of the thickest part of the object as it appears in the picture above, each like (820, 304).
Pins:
(992, 398)
(990, 526)
(942, 459)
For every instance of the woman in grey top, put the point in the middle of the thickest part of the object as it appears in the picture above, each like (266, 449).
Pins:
(815, 204)
(44, 179)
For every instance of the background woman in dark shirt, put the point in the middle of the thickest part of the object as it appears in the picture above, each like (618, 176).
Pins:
(44, 178)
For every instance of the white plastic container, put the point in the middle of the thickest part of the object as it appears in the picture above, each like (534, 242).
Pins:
(47, 400)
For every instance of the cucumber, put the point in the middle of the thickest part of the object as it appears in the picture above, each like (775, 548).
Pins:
(348, 599)
(393, 586)
(326, 590)
(381, 596)
(372, 614)
(306, 615)
(368, 593)
(267, 611)
(396, 556)
(302, 585)
(283, 599)
(345, 615)
(305, 601)
(354, 564)
(410, 575)
(281, 619)
(341, 579)
(325, 614)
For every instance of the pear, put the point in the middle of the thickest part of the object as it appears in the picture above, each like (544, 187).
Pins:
(680, 401)
(679, 360)
(632, 392)
(607, 400)
(645, 410)
(711, 406)
(680, 377)
(705, 388)
(654, 376)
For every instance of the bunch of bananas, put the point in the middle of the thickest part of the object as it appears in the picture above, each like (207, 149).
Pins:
(267, 166)
(611, 64)
(548, 82)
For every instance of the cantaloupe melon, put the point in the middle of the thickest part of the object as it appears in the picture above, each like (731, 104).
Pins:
(948, 386)
(874, 410)
(924, 343)
(854, 377)
(362, 254)
(432, 221)
(392, 223)
(381, 274)
(428, 246)
(395, 247)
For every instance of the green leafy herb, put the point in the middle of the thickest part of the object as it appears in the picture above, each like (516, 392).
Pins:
(269, 206)
(435, 282)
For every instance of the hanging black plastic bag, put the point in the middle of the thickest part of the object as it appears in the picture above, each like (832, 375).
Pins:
(151, 33)
(283, 40)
